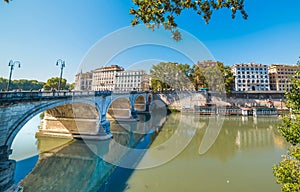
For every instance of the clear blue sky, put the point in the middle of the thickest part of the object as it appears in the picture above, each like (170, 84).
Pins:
(37, 33)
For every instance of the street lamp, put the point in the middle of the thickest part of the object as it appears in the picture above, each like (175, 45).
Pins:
(62, 65)
(11, 64)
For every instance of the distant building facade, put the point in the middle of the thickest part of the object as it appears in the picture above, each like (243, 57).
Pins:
(280, 76)
(132, 80)
(83, 81)
(104, 78)
(251, 77)
(207, 63)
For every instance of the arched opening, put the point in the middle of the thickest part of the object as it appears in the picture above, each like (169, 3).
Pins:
(120, 108)
(48, 128)
(140, 103)
(70, 120)
(22, 120)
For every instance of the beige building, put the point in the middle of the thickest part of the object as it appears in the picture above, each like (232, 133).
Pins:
(280, 76)
(207, 63)
(104, 78)
(132, 80)
(83, 81)
(251, 77)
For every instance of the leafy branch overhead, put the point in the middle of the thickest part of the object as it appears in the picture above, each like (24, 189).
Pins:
(163, 12)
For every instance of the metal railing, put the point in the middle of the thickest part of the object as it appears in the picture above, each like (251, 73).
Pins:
(15, 95)
(23, 95)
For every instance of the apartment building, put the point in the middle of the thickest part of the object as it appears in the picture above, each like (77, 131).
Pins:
(104, 78)
(132, 80)
(280, 76)
(83, 81)
(251, 77)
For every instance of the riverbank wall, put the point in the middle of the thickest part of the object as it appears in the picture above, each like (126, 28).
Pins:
(188, 100)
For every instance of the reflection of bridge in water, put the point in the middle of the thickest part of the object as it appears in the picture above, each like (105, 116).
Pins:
(76, 166)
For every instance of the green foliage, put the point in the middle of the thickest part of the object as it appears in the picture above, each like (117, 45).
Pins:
(170, 76)
(42, 115)
(174, 76)
(198, 77)
(154, 13)
(290, 129)
(287, 172)
(216, 78)
(53, 83)
(70, 86)
(174, 110)
(22, 84)
(293, 97)
(3, 83)
(227, 77)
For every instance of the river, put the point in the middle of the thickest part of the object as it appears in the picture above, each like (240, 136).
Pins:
(182, 152)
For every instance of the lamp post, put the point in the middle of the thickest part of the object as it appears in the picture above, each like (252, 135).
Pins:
(62, 65)
(11, 64)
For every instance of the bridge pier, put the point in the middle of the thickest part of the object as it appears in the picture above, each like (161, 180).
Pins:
(134, 114)
(105, 128)
(7, 170)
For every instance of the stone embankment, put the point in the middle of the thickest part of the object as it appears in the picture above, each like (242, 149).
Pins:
(188, 100)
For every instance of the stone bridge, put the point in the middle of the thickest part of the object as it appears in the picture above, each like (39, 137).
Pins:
(17, 108)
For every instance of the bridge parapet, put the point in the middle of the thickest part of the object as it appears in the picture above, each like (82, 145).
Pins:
(37, 95)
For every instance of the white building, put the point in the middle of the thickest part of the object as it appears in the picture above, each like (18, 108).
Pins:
(132, 80)
(104, 78)
(251, 77)
(83, 81)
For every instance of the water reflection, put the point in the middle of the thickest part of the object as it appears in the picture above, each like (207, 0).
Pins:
(239, 157)
(78, 166)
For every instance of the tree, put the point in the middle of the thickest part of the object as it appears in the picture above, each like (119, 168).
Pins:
(175, 76)
(198, 77)
(164, 12)
(287, 172)
(70, 86)
(3, 83)
(217, 78)
(53, 82)
(22, 84)
(227, 76)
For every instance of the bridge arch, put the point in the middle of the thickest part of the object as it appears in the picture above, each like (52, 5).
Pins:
(140, 103)
(19, 124)
(119, 107)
